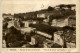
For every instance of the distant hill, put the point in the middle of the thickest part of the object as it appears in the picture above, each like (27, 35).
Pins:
(60, 13)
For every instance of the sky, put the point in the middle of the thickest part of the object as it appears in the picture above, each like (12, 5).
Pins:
(23, 6)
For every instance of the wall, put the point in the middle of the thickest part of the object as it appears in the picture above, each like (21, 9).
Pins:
(26, 24)
(45, 15)
(58, 39)
(41, 15)
(33, 41)
(60, 22)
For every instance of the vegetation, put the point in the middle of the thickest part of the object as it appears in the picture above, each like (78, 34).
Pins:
(68, 34)
(5, 26)
(50, 8)
(13, 36)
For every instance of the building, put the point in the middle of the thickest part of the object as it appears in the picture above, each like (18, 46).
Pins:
(37, 41)
(27, 30)
(8, 16)
(66, 7)
(73, 8)
(70, 45)
(3, 43)
(44, 14)
(28, 33)
(58, 38)
(44, 30)
(51, 44)
(61, 22)
(41, 15)
(26, 23)
(34, 40)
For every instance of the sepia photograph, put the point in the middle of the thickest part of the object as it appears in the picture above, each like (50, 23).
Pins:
(31, 26)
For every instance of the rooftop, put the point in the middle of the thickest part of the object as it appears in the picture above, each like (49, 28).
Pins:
(45, 28)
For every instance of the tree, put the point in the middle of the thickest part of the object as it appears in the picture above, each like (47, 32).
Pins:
(5, 25)
(13, 35)
(50, 8)
(61, 6)
(68, 33)
(7, 19)
(50, 19)
(21, 23)
(69, 6)
(56, 46)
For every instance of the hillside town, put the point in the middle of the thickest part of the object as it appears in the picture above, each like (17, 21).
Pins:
(54, 27)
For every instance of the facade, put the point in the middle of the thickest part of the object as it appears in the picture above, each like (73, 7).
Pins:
(34, 40)
(41, 15)
(26, 23)
(58, 39)
(44, 14)
(4, 44)
(37, 40)
(61, 22)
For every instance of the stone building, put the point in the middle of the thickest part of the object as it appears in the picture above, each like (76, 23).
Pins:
(61, 22)
(58, 38)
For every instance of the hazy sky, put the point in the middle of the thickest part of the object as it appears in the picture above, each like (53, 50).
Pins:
(23, 6)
